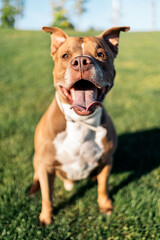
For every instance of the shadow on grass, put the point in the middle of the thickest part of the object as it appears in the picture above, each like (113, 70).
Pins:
(78, 194)
(137, 152)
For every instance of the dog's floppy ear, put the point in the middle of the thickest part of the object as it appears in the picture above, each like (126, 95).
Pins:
(57, 37)
(111, 37)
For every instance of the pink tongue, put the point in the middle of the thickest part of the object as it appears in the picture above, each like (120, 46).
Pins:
(85, 99)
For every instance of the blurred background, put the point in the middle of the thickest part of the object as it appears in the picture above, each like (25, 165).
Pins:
(82, 15)
(26, 90)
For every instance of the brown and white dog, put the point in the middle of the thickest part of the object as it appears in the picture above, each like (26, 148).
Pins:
(76, 138)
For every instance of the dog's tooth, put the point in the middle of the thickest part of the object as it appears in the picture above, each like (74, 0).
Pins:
(72, 93)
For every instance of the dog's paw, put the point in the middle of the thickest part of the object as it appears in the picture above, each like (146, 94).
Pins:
(105, 206)
(105, 210)
(68, 184)
(45, 219)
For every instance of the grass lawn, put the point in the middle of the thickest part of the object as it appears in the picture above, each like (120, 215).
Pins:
(26, 90)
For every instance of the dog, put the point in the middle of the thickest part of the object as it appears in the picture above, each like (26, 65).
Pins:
(76, 138)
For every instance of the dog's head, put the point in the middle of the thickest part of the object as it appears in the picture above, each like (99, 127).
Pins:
(84, 67)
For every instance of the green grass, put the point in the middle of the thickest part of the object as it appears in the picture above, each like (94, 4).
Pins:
(25, 93)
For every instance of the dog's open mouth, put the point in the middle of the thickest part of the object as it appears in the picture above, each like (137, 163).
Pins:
(84, 96)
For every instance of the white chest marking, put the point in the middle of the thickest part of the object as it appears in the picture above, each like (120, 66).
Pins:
(79, 148)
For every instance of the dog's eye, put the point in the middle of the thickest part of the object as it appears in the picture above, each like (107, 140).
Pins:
(101, 54)
(65, 56)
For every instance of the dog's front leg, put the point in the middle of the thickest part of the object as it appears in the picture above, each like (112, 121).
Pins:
(104, 202)
(46, 183)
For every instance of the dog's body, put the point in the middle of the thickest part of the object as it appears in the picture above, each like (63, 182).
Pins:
(75, 137)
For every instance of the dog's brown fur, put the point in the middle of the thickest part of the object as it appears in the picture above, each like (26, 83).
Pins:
(53, 121)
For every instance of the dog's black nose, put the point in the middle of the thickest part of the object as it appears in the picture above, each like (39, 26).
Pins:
(81, 63)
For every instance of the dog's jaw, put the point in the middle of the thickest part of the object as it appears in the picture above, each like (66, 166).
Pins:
(84, 97)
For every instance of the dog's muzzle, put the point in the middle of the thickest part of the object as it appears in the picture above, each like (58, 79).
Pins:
(87, 89)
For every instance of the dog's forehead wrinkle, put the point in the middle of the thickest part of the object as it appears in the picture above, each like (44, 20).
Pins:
(75, 40)
(82, 45)
(86, 46)
(72, 44)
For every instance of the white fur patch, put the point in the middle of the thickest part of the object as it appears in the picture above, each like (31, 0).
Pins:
(79, 148)
(68, 185)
